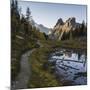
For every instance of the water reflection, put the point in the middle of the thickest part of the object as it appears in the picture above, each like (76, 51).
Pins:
(71, 65)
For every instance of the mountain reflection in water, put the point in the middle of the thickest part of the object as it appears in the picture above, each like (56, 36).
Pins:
(71, 66)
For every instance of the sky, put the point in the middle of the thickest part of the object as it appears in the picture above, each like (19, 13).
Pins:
(48, 13)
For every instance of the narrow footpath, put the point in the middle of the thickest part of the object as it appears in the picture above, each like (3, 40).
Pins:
(24, 75)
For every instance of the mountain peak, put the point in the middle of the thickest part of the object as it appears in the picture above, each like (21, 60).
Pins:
(64, 27)
(71, 21)
(59, 22)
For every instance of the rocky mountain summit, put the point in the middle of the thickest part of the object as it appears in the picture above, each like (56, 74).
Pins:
(62, 29)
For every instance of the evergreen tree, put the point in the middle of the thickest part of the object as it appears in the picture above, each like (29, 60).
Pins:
(46, 36)
(28, 14)
(28, 26)
(15, 18)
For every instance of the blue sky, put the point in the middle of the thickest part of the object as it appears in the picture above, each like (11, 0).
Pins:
(48, 13)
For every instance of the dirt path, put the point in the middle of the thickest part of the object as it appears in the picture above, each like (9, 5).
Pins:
(24, 75)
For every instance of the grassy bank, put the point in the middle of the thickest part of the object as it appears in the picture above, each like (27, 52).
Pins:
(73, 44)
(41, 72)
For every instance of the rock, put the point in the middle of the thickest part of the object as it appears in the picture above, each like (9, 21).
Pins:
(62, 28)
(59, 22)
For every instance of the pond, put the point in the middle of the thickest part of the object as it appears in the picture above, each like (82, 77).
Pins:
(70, 66)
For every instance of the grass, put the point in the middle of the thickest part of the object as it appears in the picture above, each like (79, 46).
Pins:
(41, 75)
(17, 49)
(73, 44)
(41, 70)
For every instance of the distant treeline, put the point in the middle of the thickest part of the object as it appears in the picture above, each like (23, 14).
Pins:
(78, 33)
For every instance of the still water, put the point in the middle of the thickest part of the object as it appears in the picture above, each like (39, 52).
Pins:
(70, 66)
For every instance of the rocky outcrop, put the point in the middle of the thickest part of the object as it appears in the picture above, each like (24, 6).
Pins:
(64, 27)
